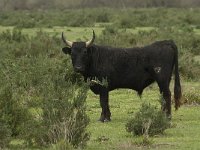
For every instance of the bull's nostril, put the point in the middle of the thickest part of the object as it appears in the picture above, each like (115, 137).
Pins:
(78, 67)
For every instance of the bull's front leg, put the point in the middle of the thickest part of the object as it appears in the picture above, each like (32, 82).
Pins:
(105, 114)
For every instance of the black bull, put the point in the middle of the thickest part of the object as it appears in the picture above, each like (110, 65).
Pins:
(132, 68)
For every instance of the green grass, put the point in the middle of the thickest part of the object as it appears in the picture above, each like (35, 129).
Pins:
(197, 31)
(197, 59)
(184, 133)
(73, 33)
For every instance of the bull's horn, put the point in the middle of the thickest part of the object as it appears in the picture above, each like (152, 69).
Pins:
(69, 43)
(88, 43)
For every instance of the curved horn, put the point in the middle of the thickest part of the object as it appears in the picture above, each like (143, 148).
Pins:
(88, 43)
(69, 43)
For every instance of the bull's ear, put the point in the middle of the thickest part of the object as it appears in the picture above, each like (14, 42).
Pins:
(66, 50)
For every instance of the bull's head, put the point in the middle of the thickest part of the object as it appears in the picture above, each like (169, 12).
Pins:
(79, 53)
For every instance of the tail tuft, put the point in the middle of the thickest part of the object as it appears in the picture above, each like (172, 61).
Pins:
(177, 85)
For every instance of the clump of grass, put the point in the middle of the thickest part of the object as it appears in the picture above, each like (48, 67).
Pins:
(143, 141)
(191, 96)
(189, 67)
(102, 139)
(148, 121)
(62, 145)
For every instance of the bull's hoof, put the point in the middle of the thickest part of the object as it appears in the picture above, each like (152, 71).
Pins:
(169, 117)
(104, 120)
(101, 120)
(107, 120)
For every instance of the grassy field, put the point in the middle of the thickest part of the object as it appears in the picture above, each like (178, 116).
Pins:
(73, 33)
(184, 133)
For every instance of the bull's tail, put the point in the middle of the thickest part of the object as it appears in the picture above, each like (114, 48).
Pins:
(177, 85)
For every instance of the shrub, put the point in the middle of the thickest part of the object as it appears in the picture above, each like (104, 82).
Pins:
(62, 145)
(13, 36)
(148, 121)
(114, 36)
(87, 17)
(189, 68)
(191, 95)
(12, 110)
(103, 17)
(125, 22)
(5, 133)
(40, 99)
(26, 23)
(62, 116)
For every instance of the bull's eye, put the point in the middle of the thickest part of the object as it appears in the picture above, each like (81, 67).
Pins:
(85, 51)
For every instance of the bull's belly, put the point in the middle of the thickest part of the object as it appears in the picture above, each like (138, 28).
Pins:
(124, 85)
(97, 88)
(137, 85)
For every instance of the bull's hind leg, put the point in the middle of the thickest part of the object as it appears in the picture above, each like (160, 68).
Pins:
(166, 97)
(105, 114)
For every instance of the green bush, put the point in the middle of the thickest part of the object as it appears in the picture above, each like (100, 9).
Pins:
(148, 121)
(13, 36)
(114, 36)
(191, 95)
(103, 16)
(5, 133)
(62, 145)
(189, 68)
(62, 111)
(87, 17)
(30, 23)
(41, 102)
(125, 22)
